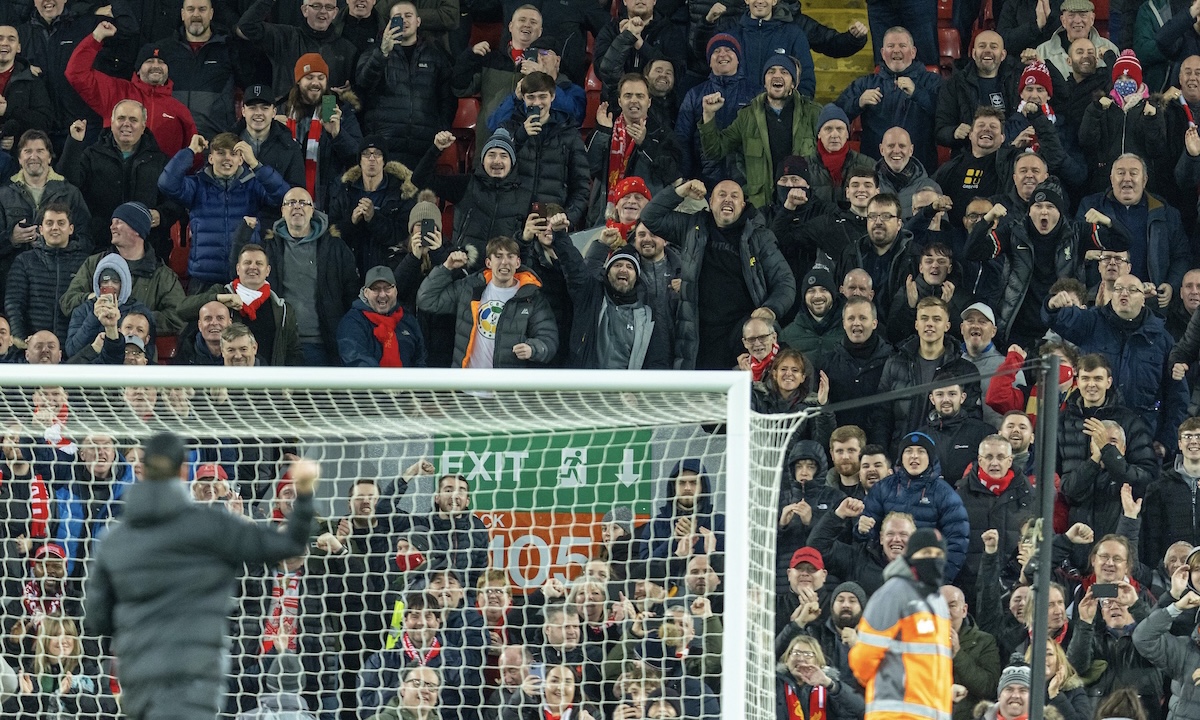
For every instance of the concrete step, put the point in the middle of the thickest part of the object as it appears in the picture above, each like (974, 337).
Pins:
(831, 83)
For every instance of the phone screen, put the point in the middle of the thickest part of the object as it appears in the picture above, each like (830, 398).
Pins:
(328, 103)
(538, 209)
(1104, 590)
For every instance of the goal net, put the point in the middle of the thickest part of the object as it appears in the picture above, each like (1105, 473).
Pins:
(489, 544)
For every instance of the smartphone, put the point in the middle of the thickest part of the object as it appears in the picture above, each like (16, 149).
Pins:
(538, 209)
(427, 226)
(531, 55)
(1104, 590)
(328, 103)
(538, 670)
(396, 23)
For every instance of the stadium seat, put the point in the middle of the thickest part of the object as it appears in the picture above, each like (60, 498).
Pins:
(490, 32)
(450, 161)
(949, 49)
(592, 86)
(1102, 17)
(165, 346)
(467, 114)
(945, 12)
(987, 17)
(179, 251)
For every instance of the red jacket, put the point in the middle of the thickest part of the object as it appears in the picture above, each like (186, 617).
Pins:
(166, 118)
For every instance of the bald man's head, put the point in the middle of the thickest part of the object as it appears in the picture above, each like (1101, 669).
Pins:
(988, 52)
(43, 348)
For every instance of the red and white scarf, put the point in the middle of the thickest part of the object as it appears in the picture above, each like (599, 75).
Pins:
(818, 700)
(620, 150)
(37, 605)
(252, 300)
(758, 368)
(412, 653)
(311, 145)
(56, 433)
(285, 611)
(566, 714)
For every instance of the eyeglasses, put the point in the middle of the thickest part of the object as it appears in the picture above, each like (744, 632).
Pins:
(992, 458)
(297, 203)
(881, 217)
(1113, 260)
(373, 154)
(756, 339)
(974, 217)
(1110, 558)
(419, 685)
(803, 654)
(1122, 290)
(326, 8)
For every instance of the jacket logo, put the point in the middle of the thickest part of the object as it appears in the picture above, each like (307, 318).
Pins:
(925, 626)
(210, 62)
(422, 65)
(524, 311)
(753, 260)
(924, 501)
(169, 117)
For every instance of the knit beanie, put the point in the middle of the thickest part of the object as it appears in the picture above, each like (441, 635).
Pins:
(851, 587)
(795, 165)
(723, 40)
(1128, 63)
(1014, 675)
(503, 140)
(620, 515)
(1037, 74)
(425, 210)
(1050, 191)
(784, 61)
(149, 50)
(136, 216)
(630, 185)
(831, 112)
(818, 276)
(625, 253)
(920, 439)
(310, 63)
(923, 538)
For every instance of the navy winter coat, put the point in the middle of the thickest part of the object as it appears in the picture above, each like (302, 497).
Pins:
(359, 348)
(217, 208)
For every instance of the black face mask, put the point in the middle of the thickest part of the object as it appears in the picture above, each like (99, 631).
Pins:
(930, 571)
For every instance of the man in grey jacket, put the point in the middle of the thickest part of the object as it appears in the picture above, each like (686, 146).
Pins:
(162, 584)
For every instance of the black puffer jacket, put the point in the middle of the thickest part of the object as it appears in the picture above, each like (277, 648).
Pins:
(17, 204)
(371, 241)
(284, 44)
(204, 79)
(901, 371)
(1074, 448)
(957, 441)
(459, 542)
(107, 179)
(37, 281)
(1170, 515)
(853, 378)
(615, 53)
(28, 99)
(1004, 513)
(49, 45)
(1014, 241)
(202, 551)
(1126, 668)
(655, 160)
(554, 164)
(569, 21)
(407, 99)
(484, 206)
(280, 152)
(765, 272)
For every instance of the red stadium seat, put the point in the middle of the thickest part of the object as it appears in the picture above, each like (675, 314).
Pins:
(949, 49)
(467, 114)
(1101, 10)
(593, 80)
(164, 345)
(943, 155)
(450, 161)
(987, 16)
(945, 12)
(491, 32)
(179, 252)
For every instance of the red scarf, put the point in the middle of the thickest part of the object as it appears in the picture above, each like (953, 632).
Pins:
(39, 507)
(285, 607)
(250, 309)
(833, 161)
(997, 485)
(311, 147)
(385, 333)
(620, 150)
(412, 653)
(817, 701)
(566, 714)
(38, 606)
(623, 228)
(759, 367)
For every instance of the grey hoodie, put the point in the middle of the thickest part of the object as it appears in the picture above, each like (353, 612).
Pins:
(300, 272)
(114, 261)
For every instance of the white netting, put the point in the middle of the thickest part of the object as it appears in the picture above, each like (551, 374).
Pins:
(339, 630)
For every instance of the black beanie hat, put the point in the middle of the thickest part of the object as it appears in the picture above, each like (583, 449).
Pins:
(1049, 190)
(923, 538)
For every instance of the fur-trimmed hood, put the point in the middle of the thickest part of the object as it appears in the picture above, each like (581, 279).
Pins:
(395, 168)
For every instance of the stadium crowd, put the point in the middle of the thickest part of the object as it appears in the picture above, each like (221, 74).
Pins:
(646, 185)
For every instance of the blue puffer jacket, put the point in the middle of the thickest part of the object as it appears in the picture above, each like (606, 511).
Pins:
(738, 91)
(931, 501)
(1138, 350)
(217, 208)
(359, 347)
(760, 39)
(84, 327)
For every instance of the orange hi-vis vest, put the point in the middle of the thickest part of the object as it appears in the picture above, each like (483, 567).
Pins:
(903, 656)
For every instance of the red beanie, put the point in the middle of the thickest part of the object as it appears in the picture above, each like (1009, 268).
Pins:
(310, 63)
(1037, 74)
(1128, 64)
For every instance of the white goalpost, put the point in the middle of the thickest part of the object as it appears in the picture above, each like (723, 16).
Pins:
(545, 454)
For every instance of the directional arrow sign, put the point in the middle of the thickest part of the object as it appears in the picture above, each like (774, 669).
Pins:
(626, 476)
